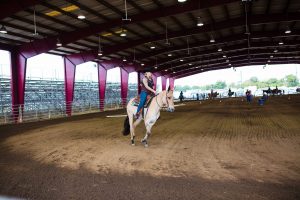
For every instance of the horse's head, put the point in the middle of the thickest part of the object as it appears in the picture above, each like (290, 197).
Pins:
(169, 100)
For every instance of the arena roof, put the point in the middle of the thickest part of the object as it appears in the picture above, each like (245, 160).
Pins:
(164, 34)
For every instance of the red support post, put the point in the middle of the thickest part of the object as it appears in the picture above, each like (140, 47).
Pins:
(154, 81)
(102, 73)
(163, 83)
(18, 75)
(171, 83)
(69, 84)
(124, 86)
(140, 78)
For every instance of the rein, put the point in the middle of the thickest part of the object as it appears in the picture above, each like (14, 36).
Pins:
(162, 105)
(157, 104)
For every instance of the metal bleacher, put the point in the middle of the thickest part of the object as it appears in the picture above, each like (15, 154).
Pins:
(45, 98)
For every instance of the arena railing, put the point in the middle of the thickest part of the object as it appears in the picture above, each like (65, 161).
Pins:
(36, 112)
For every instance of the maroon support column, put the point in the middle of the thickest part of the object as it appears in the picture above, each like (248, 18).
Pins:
(18, 72)
(154, 81)
(124, 86)
(102, 72)
(171, 83)
(140, 78)
(163, 83)
(69, 84)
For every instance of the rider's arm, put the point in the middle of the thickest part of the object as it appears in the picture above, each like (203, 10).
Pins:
(145, 82)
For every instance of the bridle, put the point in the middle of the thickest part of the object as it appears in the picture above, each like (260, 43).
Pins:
(163, 104)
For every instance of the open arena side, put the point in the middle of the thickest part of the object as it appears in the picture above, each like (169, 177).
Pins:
(209, 150)
(213, 149)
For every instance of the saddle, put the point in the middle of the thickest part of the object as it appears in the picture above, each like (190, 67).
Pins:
(136, 101)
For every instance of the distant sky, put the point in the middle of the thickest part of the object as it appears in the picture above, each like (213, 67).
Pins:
(50, 66)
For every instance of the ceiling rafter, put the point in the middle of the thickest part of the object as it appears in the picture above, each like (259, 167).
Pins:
(11, 7)
(236, 48)
(222, 66)
(257, 19)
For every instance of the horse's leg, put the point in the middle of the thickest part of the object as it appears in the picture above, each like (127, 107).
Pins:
(130, 116)
(137, 122)
(148, 133)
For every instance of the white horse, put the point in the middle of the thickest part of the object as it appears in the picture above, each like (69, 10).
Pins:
(164, 99)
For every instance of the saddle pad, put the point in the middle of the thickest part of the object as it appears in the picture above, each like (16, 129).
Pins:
(137, 99)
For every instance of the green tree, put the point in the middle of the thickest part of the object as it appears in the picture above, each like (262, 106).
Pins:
(220, 85)
(186, 87)
(291, 80)
(195, 87)
(254, 79)
(272, 82)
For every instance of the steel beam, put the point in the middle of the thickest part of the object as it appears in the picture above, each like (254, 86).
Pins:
(224, 66)
(70, 69)
(11, 7)
(163, 83)
(18, 76)
(102, 73)
(124, 86)
(72, 36)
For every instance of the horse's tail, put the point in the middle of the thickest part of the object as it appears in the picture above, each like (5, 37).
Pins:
(126, 129)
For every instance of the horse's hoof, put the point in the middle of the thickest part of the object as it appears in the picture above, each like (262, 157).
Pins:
(146, 145)
(132, 144)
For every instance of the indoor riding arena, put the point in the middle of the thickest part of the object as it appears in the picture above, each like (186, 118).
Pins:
(62, 138)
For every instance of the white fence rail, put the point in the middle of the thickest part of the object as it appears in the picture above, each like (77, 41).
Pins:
(37, 112)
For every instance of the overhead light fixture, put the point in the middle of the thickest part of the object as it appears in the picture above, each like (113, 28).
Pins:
(280, 42)
(166, 70)
(152, 47)
(229, 64)
(288, 31)
(275, 50)
(181, 1)
(3, 30)
(269, 61)
(199, 22)
(219, 49)
(202, 69)
(124, 59)
(35, 33)
(190, 64)
(126, 13)
(271, 56)
(181, 60)
(155, 67)
(224, 56)
(80, 15)
(227, 60)
(173, 72)
(58, 43)
(169, 54)
(100, 53)
(123, 33)
(142, 64)
(212, 40)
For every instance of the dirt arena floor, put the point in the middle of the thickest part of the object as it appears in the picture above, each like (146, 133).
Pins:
(213, 150)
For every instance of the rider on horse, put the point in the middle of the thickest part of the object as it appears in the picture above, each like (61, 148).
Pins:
(146, 89)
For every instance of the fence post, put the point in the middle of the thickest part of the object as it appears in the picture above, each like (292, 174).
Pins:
(5, 120)
(49, 114)
(20, 114)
